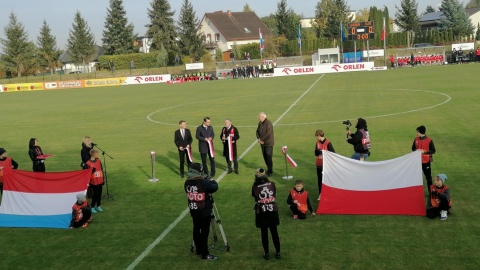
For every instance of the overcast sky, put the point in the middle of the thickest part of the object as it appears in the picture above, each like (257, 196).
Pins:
(59, 14)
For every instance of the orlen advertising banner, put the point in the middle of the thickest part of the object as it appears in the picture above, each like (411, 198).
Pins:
(105, 82)
(65, 84)
(148, 79)
(324, 68)
(22, 87)
(373, 53)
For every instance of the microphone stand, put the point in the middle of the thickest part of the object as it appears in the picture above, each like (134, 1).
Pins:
(107, 196)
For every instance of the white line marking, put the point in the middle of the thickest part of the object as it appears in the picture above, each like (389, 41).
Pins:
(184, 213)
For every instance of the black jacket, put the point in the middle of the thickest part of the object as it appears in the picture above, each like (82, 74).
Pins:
(183, 142)
(33, 153)
(85, 152)
(201, 134)
(209, 187)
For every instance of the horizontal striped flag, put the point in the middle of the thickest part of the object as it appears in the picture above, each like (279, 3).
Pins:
(288, 157)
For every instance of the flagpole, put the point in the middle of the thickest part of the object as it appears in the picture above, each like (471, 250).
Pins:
(287, 177)
(341, 42)
(300, 39)
(384, 32)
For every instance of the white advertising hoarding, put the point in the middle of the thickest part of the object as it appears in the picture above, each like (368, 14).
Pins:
(148, 79)
(464, 46)
(194, 66)
(324, 68)
(373, 53)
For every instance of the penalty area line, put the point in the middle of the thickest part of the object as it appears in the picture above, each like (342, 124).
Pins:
(186, 211)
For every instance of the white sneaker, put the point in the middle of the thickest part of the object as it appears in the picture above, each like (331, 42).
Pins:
(443, 215)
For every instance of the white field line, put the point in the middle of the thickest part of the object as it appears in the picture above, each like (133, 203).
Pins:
(185, 212)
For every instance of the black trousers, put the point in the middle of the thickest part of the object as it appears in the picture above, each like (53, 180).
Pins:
(235, 163)
(427, 171)
(38, 166)
(201, 229)
(183, 155)
(267, 152)
(435, 211)
(295, 211)
(87, 214)
(96, 195)
(320, 178)
(204, 163)
(275, 238)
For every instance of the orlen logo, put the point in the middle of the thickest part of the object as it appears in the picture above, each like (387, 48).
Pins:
(348, 67)
(139, 79)
(298, 70)
(336, 67)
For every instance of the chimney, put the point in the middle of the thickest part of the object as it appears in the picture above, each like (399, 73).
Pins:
(229, 12)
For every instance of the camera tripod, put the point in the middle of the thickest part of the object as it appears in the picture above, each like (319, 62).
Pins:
(215, 222)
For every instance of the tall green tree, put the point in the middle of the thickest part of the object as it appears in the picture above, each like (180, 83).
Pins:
(271, 22)
(477, 35)
(190, 40)
(286, 21)
(48, 54)
(18, 51)
(429, 9)
(473, 4)
(81, 41)
(247, 8)
(456, 18)
(118, 36)
(407, 18)
(328, 16)
(162, 26)
(322, 11)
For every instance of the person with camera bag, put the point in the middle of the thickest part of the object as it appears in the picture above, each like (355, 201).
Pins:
(266, 211)
(360, 140)
(199, 189)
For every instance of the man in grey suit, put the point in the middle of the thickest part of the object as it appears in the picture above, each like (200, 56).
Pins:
(205, 137)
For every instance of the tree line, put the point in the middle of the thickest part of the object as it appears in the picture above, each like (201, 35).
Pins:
(170, 39)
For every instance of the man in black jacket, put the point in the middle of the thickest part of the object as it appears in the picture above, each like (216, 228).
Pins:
(360, 140)
(183, 140)
(199, 189)
(229, 138)
(266, 140)
(205, 137)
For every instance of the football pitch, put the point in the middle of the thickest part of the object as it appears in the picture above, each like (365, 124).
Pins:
(145, 227)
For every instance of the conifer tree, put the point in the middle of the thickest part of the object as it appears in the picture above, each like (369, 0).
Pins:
(118, 37)
(190, 40)
(81, 42)
(161, 28)
(407, 18)
(18, 51)
(48, 55)
(456, 18)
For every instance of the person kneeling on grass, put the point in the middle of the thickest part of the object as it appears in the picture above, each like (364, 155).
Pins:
(299, 202)
(96, 180)
(81, 212)
(439, 202)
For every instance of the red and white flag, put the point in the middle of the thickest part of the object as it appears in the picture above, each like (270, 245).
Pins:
(390, 187)
(384, 31)
(189, 153)
(210, 148)
(230, 144)
(288, 157)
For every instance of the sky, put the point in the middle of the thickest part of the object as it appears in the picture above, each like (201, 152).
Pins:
(59, 14)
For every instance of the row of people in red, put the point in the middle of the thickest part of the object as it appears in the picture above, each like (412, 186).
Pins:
(436, 59)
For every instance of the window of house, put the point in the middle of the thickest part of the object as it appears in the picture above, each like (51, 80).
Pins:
(217, 37)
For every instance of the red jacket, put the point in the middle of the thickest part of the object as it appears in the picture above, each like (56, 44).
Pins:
(97, 175)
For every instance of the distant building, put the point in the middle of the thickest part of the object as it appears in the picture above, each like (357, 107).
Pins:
(68, 65)
(222, 30)
(143, 44)
(433, 20)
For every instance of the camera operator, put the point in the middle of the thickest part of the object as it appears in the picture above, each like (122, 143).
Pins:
(360, 140)
(199, 189)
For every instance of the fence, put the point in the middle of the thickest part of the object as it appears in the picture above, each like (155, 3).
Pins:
(223, 68)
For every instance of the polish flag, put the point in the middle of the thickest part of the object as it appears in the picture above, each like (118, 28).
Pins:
(384, 31)
(391, 187)
(40, 200)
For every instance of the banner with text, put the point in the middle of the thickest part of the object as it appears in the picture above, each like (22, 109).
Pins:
(373, 53)
(464, 46)
(147, 79)
(324, 68)
(22, 87)
(64, 84)
(194, 66)
(105, 82)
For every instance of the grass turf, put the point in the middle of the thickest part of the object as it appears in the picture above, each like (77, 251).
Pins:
(393, 102)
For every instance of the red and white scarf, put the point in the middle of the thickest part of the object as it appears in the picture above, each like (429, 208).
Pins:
(189, 153)
(210, 148)
(287, 156)
(230, 143)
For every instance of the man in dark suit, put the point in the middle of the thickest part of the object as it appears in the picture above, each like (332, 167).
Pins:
(183, 140)
(229, 138)
(266, 140)
(205, 137)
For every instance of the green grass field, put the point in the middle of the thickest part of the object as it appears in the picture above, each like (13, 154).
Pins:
(394, 102)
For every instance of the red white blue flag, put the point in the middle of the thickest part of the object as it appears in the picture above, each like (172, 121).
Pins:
(262, 45)
(288, 157)
(40, 200)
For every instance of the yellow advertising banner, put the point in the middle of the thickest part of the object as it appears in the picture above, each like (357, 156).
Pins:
(105, 82)
(22, 87)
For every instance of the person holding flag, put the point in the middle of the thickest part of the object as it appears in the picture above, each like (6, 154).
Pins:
(183, 140)
(205, 137)
(229, 138)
